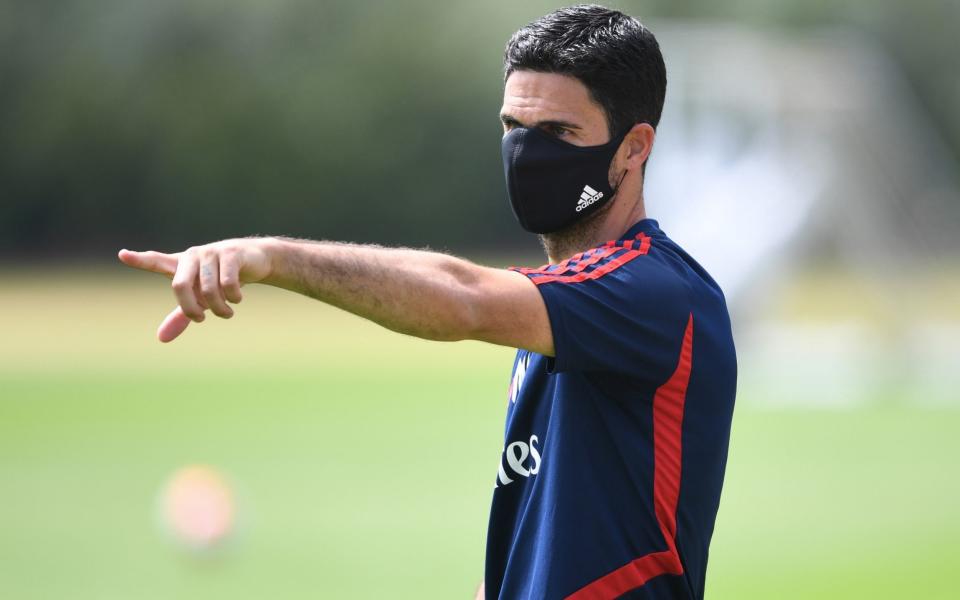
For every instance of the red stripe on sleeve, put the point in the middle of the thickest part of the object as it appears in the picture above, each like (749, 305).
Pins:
(564, 267)
(559, 267)
(644, 242)
(668, 404)
(631, 250)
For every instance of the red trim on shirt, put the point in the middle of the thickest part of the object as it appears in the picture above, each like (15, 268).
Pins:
(668, 405)
(559, 267)
(563, 268)
(564, 273)
(644, 242)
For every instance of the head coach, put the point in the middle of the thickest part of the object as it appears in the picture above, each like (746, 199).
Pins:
(622, 392)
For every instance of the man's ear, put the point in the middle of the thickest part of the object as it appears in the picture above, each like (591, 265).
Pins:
(637, 145)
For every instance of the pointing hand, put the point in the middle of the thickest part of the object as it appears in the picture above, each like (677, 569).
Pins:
(204, 277)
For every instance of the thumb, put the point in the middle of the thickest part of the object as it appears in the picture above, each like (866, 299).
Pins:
(175, 324)
(157, 262)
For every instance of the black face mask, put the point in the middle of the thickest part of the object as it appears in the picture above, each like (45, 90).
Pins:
(553, 184)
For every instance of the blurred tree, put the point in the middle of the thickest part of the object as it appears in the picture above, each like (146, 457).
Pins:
(131, 123)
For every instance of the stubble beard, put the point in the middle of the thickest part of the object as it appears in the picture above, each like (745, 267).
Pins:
(579, 237)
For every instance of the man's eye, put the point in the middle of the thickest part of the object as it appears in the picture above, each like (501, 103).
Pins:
(559, 131)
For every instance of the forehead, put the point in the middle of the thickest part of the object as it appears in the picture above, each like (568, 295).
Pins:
(530, 96)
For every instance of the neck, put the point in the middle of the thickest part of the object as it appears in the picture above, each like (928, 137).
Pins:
(607, 224)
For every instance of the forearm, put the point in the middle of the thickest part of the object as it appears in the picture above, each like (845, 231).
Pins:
(425, 294)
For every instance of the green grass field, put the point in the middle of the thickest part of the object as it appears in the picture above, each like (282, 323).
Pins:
(365, 461)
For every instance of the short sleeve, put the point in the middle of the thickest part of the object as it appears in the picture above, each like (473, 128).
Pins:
(614, 308)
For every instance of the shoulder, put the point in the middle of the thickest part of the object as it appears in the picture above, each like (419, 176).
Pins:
(639, 267)
(591, 264)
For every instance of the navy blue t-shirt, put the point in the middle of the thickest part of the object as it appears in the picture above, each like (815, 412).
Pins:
(615, 449)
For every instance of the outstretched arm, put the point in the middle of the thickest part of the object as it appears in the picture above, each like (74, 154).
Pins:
(425, 294)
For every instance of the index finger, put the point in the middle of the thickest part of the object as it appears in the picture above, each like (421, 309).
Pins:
(156, 262)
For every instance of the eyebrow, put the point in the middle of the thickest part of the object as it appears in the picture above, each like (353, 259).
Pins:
(507, 119)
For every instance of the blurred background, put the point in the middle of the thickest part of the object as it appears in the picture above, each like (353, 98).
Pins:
(809, 156)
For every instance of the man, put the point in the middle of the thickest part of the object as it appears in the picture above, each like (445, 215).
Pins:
(622, 392)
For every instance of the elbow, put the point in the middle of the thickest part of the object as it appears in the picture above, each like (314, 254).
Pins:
(461, 323)
(454, 307)
(457, 321)
(463, 315)
(471, 322)
(462, 320)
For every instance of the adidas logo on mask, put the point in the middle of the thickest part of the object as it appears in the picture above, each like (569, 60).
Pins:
(588, 197)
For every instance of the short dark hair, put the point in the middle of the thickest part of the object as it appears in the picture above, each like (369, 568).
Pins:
(612, 54)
